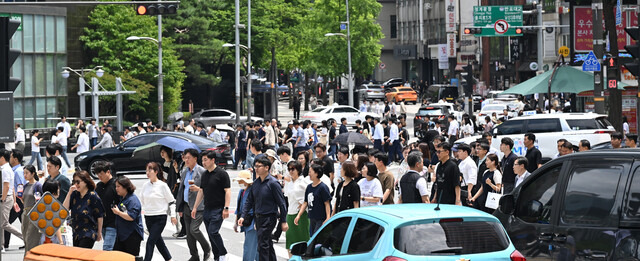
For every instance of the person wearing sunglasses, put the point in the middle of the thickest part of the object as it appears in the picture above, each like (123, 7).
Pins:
(86, 210)
(294, 191)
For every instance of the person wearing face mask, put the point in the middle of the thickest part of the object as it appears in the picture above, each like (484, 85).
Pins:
(250, 247)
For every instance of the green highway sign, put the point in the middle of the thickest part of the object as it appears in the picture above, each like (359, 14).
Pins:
(14, 17)
(497, 20)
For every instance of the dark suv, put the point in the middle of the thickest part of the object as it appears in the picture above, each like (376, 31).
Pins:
(431, 112)
(582, 206)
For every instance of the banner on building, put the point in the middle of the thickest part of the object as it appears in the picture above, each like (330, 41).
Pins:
(451, 45)
(443, 57)
(450, 16)
(583, 28)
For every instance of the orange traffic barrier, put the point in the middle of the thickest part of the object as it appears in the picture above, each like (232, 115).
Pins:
(56, 252)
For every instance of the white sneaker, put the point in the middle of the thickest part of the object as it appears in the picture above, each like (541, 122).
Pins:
(222, 258)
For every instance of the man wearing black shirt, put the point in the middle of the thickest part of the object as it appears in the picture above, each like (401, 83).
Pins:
(447, 177)
(332, 135)
(508, 176)
(534, 156)
(343, 126)
(215, 188)
(106, 189)
(327, 163)
(241, 148)
(266, 199)
(413, 187)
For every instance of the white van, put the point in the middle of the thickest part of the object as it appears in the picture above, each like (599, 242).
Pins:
(549, 128)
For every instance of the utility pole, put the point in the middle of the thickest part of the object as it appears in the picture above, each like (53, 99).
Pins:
(237, 27)
(160, 80)
(598, 50)
(250, 103)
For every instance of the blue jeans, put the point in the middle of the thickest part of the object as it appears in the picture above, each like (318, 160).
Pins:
(36, 156)
(332, 151)
(64, 156)
(155, 225)
(250, 252)
(109, 237)
(213, 222)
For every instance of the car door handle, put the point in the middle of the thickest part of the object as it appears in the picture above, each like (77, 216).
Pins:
(560, 239)
(545, 237)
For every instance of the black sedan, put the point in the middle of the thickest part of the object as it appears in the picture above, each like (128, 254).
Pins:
(120, 155)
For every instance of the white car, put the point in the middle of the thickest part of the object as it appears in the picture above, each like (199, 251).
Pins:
(488, 110)
(337, 112)
(549, 128)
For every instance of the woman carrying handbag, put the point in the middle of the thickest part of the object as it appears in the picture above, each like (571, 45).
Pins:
(492, 183)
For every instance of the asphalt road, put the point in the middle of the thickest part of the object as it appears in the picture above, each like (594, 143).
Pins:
(178, 247)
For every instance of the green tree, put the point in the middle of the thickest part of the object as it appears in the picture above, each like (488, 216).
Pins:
(105, 40)
(329, 55)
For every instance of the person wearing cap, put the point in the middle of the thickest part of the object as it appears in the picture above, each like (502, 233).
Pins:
(215, 188)
(267, 201)
(250, 246)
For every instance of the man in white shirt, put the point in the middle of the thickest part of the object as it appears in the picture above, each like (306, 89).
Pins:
(454, 127)
(82, 144)
(215, 134)
(20, 138)
(378, 109)
(520, 168)
(468, 169)
(35, 149)
(92, 132)
(8, 197)
(62, 140)
(55, 150)
(394, 141)
(128, 134)
(106, 142)
(393, 110)
(378, 134)
(269, 135)
(65, 125)
(412, 186)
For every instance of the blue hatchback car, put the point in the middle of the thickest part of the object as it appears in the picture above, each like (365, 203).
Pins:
(409, 232)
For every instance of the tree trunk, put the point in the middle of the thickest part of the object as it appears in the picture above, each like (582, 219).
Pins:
(615, 95)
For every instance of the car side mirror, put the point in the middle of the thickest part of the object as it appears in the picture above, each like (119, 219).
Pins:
(121, 147)
(534, 208)
(507, 204)
(233, 116)
(298, 249)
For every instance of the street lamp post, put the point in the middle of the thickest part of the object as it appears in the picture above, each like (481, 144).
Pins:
(248, 49)
(160, 81)
(80, 73)
(348, 54)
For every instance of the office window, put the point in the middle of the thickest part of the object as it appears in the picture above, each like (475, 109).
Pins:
(40, 69)
(27, 80)
(27, 31)
(61, 34)
(393, 27)
(50, 30)
(39, 33)
(50, 78)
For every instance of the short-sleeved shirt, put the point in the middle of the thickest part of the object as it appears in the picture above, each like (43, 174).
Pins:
(34, 146)
(62, 139)
(346, 195)
(370, 188)
(107, 192)
(8, 177)
(386, 180)
(534, 158)
(447, 179)
(327, 165)
(83, 143)
(65, 183)
(315, 198)
(213, 185)
(130, 205)
(85, 212)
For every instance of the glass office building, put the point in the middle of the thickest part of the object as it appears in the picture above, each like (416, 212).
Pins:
(41, 98)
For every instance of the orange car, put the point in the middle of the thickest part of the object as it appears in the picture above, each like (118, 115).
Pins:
(402, 93)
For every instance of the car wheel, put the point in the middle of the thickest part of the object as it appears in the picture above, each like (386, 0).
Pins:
(91, 166)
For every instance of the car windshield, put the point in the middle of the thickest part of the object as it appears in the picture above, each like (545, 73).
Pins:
(405, 89)
(507, 96)
(450, 238)
(493, 108)
(434, 111)
(318, 109)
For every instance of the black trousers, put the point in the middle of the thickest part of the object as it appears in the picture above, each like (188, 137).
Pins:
(130, 245)
(84, 242)
(12, 218)
(278, 232)
(265, 225)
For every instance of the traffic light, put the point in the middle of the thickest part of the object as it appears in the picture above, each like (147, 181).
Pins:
(634, 50)
(518, 30)
(468, 76)
(470, 30)
(156, 9)
(612, 72)
(7, 55)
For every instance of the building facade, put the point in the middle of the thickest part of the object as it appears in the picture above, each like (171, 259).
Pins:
(41, 97)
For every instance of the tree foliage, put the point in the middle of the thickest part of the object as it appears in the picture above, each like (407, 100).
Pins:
(105, 40)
